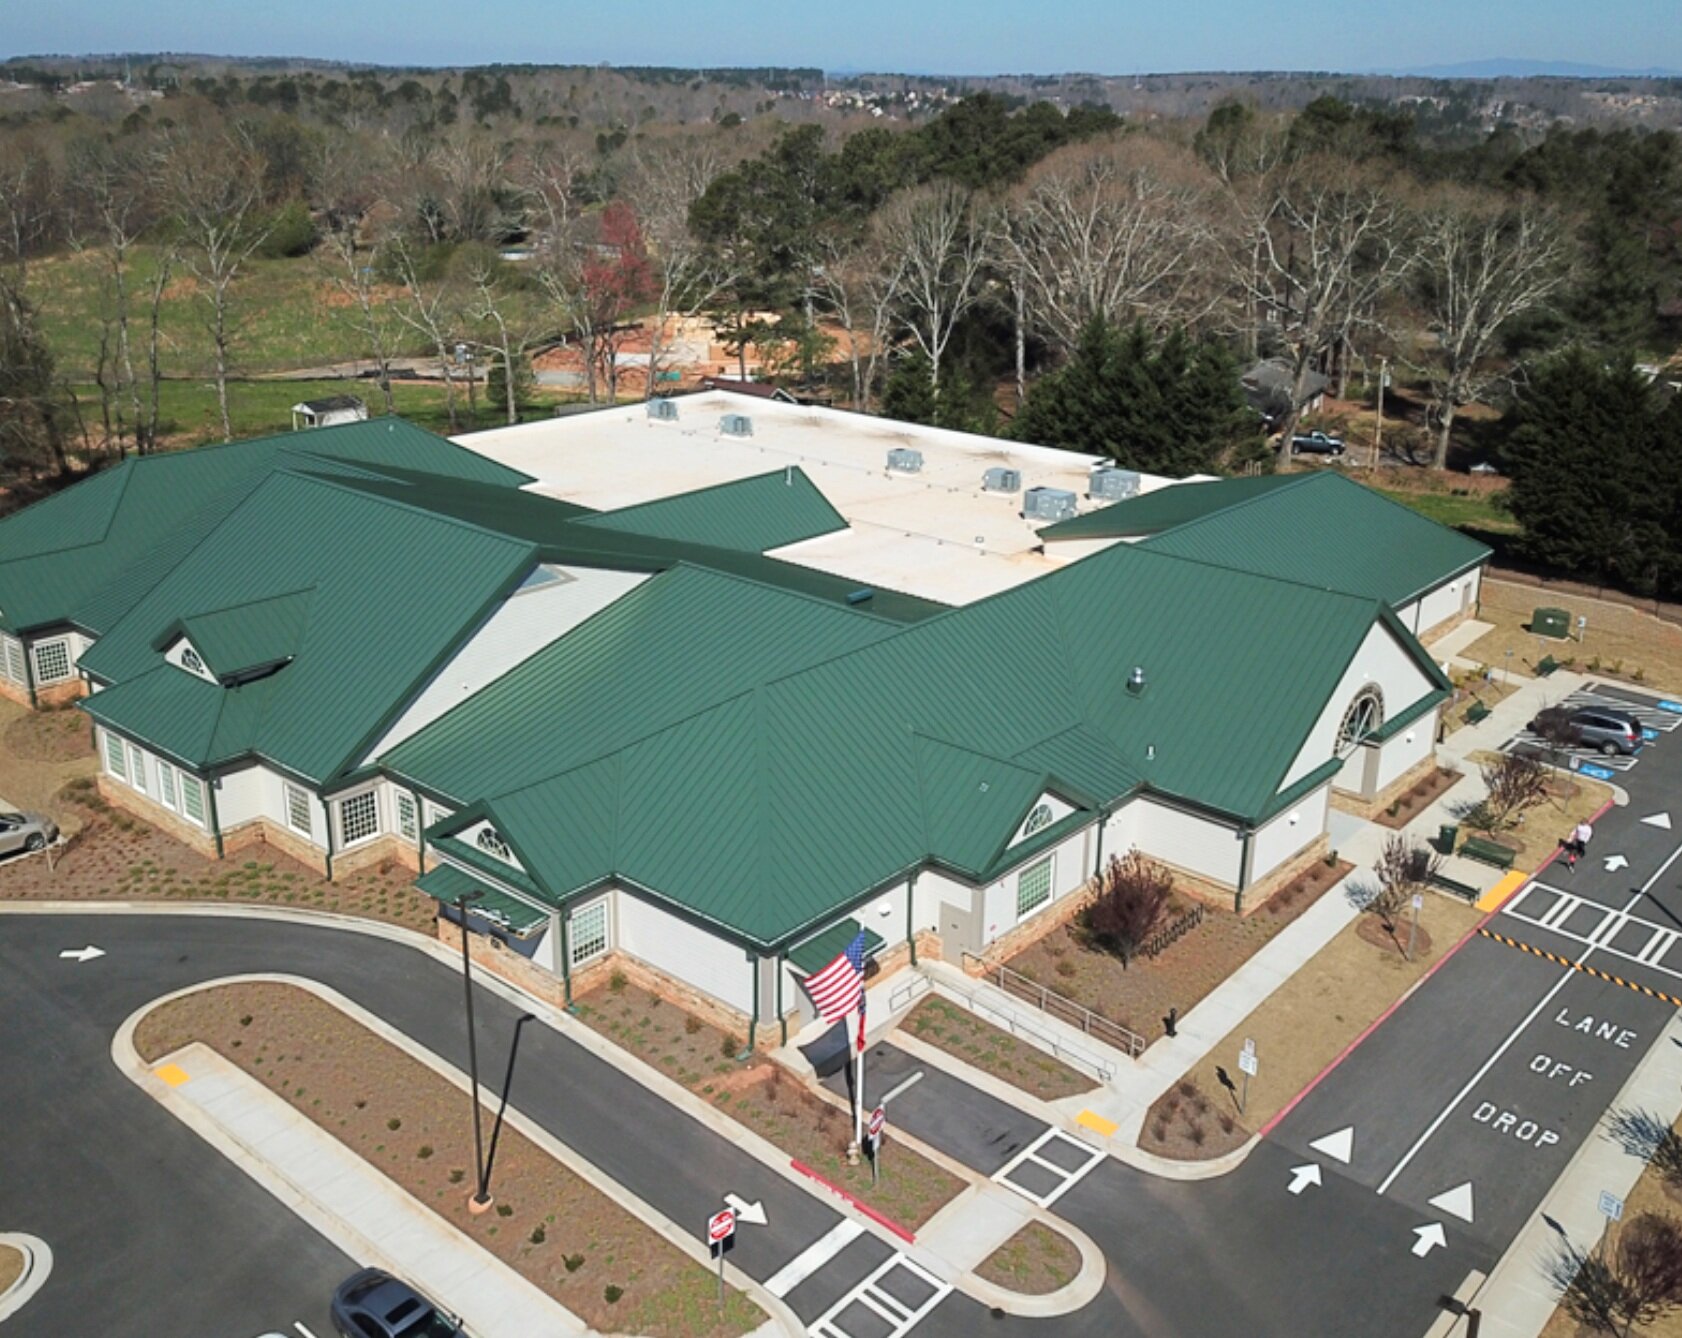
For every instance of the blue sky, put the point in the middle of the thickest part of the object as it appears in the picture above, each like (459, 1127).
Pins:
(949, 36)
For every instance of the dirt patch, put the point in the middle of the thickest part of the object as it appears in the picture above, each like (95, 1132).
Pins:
(1371, 930)
(11, 1266)
(48, 736)
(118, 857)
(1472, 690)
(1619, 641)
(1417, 798)
(1035, 1261)
(1138, 996)
(1189, 1124)
(766, 1098)
(551, 1227)
(39, 753)
(992, 1050)
(1302, 1027)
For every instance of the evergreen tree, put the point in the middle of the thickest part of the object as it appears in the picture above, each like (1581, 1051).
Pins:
(909, 395)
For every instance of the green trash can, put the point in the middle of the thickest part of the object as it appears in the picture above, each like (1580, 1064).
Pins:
(1551, 622)
(1447, 835)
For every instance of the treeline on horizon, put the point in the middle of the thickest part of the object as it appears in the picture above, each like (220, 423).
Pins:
(994, 264)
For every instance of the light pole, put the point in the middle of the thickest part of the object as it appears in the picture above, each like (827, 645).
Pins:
(479, 1201)
(484, 1195)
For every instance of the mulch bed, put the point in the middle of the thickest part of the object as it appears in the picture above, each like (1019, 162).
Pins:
(992, 1050)
(1189, 1124)
(1035, 1261)
(767, 1099)
(54, 735)
(551, 1227)
(1418, 797)
(118, 857)
(11, 1267)
(1371, 930)
(1138, 996)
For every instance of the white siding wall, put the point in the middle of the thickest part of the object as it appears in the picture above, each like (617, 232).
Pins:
(680, 949)
(141, 773)
(521, 627)
(257, 792)
(1187, 841)
(1412, 746)
(1380, 660)
(1441, 604)
(1278, 839)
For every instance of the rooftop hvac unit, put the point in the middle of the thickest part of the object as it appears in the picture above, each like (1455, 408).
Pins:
(662, 410)
(904, 460)
(1048, 504)
(1113, 485)
(1002, 480)
(736, 425)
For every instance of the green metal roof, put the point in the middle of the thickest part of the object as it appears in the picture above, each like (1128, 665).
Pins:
(1153, 512)
(818, 952)
(749, 515)
(246, 636)
(448, 884)
(393, 592)
(1326, 530)
(768, 811)
(86, 555)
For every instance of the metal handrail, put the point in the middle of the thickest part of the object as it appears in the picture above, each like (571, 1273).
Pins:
(907, 990)
(1053, 1004)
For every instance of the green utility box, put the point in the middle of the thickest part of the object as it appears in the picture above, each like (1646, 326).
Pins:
(1551, 622)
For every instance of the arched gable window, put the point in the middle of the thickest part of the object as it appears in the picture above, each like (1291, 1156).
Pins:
(1038, 819)
(490, 841)
(1365, 714)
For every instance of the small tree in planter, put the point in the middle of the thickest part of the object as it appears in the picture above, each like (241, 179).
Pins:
(1634, 1283)
(1403, 870)
(1516, 784)
(1132, 894)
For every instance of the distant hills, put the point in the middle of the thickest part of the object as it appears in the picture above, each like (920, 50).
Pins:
(1501, 68)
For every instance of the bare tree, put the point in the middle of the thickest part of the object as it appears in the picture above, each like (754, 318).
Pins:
(1404, 869)
(504, 333)
(358, 228)
(1133, 893)
(431, 310)
(215, 187)
(28, 199)
(1327, 242)
(1483, 263)
(858, 282)
(1636, 1281)
(943, 233)
(1516, 783)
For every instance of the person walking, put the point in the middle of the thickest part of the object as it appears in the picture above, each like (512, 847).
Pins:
(1576, 845)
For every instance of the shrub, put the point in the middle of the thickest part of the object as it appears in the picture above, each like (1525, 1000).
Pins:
(691, 1024)
(1198, 1135)
(1065, 967)
(424, 1151)
(538, 1234)
(291, 232)
(616, 982)
(612, 1292)
(1132, 892)
(1227, 1123)
(1515, 783)
(505, 1210)
(394, 1124)
(1187, 1087)
(572, 1262)
(245, 1021)
(729, 1046)
(457, 1176)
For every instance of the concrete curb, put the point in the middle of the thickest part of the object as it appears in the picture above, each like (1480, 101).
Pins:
(37, 1265)
(586, 1171)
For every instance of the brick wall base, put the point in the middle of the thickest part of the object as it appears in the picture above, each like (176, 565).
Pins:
(58, 694)
(385, 850)
(1370, 808)
(1031, 931)
(1447, 625)
(262, 832)
(141, 806)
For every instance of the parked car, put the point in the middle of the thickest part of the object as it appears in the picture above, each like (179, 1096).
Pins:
(373, 1304)
(1485, 467)
(25, 831)
(1611, 731)
(1316, 443)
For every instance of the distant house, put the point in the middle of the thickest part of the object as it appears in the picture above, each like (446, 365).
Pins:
(1267, 387)
(329, 412)
(758, 389)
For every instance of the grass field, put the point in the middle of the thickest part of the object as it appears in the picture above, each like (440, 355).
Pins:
(1473, 510)
(1619, 641)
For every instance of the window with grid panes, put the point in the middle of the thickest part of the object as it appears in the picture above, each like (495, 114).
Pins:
(14, 662)
(137, 768)
(407, 826)
(359, 817)
(297, 809)
(588, 933)
(52, 661)
(192, 798)
(116, 757)
(166, 784)
(1033, 887)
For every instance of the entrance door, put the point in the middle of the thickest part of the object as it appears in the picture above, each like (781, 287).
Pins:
(960, 927)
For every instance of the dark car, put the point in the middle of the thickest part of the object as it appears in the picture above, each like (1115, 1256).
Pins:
(1611, 731)
(1316, 443)
(373, 1304)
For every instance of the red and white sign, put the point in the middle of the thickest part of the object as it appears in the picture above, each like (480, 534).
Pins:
(721, 1225)
(878, 1121)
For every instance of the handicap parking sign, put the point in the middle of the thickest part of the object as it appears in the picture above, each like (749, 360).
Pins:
(1674, 707)
(1648, 735)
(1599, 773)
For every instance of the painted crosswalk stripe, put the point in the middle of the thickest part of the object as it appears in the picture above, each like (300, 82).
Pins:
(813, 1257)
(899, 1315)
(1065, 1177)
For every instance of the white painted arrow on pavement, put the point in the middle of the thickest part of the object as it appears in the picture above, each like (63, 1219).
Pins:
(1457, 1201)
(1304, 1176)
(751, 1213)
(1339, 1146)
(1614, 862)
(86, 954)
(1660, 820)
(1431, 1237)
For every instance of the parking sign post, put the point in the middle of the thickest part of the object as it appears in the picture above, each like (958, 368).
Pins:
(1413, 925)
(878, 1122)
(1246, 1066)
(720, 1227)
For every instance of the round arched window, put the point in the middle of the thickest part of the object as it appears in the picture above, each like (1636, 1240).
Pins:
(190, 660)
(490, 841)
(1365, 714)
(1038, 820)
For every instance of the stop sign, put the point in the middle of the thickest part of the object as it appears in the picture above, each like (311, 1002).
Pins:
(878, 1121)
(721, 1225)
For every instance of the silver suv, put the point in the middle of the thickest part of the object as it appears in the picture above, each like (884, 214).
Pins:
(1609, 730)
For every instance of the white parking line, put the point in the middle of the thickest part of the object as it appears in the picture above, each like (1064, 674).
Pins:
(813, 1257)
(909, 1082)
(899, 1316)
(1611, 923)
(298, 1324)
(1512, 1036)
(1066, 1178)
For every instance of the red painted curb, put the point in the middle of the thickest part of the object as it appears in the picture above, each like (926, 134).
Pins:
(880, 1219)
(1380, 1019)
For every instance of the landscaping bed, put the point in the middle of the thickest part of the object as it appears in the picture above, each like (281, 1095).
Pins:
(118, 857)
(764, 1097)
(1138, 996)
(554, 1229)
(1035, 1261)
(1299, 1029)
(59, 734)
(11, 1266)
(963, 1035)
(1416, 798)
(1570, 799)
(40, 751)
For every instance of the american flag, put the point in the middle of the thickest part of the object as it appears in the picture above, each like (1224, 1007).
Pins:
(839, 987)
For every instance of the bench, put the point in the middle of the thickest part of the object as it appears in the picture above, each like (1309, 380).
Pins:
(1465, 891)
(1487, 852)
(1476, 713)
(1547, 666)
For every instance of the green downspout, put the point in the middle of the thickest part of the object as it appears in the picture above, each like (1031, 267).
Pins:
(420, 829)
(327, 812)
(1098, 859)
(28, 672)
(911, 915)
(566, 960)
(753, 1017)
(782, 1017)
(1243, 873)
(215, 818)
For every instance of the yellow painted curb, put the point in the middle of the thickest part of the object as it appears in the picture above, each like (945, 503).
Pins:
(173, 1075)
(1097, 1123)
(1497, 896)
